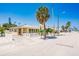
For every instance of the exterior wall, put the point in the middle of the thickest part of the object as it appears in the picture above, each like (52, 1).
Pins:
(20, 31)
(33, 30)
(24, 30)
(13, 30)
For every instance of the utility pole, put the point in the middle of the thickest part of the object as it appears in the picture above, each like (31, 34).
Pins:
(58, 25)
(54, 22)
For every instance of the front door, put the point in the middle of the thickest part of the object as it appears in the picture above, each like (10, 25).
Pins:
(19, 32)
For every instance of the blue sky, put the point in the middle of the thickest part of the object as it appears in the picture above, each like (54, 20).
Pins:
(22, 13)
(67, 12)
(25, 13)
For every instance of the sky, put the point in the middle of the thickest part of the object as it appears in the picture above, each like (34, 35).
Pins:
(25, 13)
(22, 13)
(67, 12)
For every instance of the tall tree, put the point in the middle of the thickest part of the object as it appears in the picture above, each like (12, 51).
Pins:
(42, 16)
(9, 24)
(68, 24)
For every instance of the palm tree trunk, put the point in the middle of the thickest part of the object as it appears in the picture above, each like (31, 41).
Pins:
(43, 27)
(45, 31)
(40, 33)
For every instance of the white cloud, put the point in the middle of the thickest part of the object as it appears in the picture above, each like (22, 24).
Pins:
(63, 12)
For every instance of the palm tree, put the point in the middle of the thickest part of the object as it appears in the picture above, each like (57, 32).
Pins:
(68, 24)
(42, 16)
(41, 32)
(63, 28)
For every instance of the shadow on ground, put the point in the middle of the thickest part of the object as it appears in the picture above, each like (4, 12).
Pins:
(49, 37)
(60, 34)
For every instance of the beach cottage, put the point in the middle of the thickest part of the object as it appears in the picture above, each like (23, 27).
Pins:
(20, 30)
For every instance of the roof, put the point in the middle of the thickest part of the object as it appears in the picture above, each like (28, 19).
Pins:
(26, 26)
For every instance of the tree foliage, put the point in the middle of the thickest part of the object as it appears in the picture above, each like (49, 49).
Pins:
(9, 24)
(68, 24)
(42, 14)
(66, 27)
